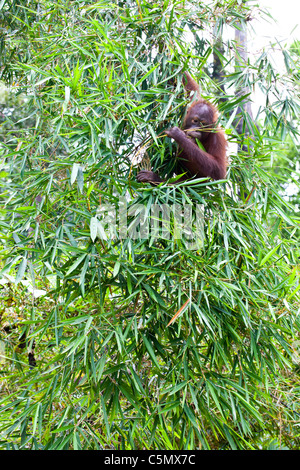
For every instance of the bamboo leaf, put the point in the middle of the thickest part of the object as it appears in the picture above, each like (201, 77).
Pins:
(181, 310)
(150, 351)
(93, 228)
(75, 264)
(269, 255)
(74, 172)
(21, 270)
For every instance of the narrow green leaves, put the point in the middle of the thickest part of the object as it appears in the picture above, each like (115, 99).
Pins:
(93, 228)
(269, 255)
(21, 270)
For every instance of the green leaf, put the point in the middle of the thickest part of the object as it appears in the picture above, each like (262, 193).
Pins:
(146, 75)
(150, 350)
(93, 228)
(74, 172)
(154, 295)
(75, 264)
(269, 255)
(21, 270)
(176, 388)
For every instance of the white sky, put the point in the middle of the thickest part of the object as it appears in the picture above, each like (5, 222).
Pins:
(285, 28)
(287, 16)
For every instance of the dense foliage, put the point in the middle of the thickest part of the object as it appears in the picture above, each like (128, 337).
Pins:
(99, 84)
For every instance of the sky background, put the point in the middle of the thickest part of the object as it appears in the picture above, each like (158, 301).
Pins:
(287, 15)
(285, 27)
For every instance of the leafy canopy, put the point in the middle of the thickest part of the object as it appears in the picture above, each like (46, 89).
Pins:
(100, 83)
